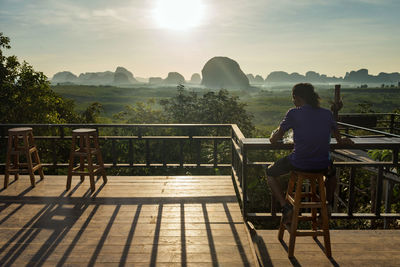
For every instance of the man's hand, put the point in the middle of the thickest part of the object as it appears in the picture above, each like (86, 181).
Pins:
(276, 136)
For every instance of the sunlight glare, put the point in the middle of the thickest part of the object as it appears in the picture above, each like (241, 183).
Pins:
(179, 14)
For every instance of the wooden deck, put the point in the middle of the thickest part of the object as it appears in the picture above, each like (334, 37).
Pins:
(131, 221)
(349, 248)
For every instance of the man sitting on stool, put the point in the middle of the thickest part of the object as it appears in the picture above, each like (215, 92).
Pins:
(312, 127)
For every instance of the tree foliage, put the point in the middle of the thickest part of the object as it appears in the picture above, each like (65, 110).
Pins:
(212, 107)
(26, 96)
(141, 112)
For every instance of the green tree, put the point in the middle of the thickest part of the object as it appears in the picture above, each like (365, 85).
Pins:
(141, 112)
(212, 107)
(92, 112)
(26, 96)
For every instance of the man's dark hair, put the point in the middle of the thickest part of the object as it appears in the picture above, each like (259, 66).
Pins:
(307, 92)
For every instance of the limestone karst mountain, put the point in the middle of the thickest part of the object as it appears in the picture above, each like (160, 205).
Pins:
(174, 78)
(196, 78)
(223, 72)
(121, 76)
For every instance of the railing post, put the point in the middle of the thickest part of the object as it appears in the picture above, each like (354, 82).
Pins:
(388, 200)
(244, 181)
(62, 134)
(130, 151)
(181, 153)
(351, 191)
(147, 151)
(113, 152)
(396, 156)
(164, 149)
(232, 153)
(215, 153)
(198, 152)
(391, 127)
(53, 143)
(379, 190)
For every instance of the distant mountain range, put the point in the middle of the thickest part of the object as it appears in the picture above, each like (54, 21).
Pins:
(359, 76)
(121, 76)
(221, 72)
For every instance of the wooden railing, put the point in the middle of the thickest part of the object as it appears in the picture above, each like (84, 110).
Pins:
(199, 146)
(386, 122)
(134, 145)
(386, 171)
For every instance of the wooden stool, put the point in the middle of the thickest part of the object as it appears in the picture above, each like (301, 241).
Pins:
(317, 201)
(21, 142)
(88, 148)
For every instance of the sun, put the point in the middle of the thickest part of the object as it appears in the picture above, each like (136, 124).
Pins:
(178, 14)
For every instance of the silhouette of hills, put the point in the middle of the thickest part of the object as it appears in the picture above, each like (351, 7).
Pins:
(121, 76)
(359, 76)
(223, 72)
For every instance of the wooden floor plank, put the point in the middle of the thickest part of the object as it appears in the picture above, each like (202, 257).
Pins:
(349, 248)
(141, 221)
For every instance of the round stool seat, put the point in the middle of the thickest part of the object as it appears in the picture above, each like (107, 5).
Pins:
(83, 131)
(19, 129)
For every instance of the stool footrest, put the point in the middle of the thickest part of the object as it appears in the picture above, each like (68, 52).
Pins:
(23, 170)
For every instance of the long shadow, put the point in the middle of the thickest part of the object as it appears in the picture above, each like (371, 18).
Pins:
(29, 232)
(128, 242)
(77, 236)
(156, 237)
(104, 236)
(209, 236)
(48, 218)
(293, 259)
(236, 236)
(6, 259)
(331, 259)
(60, 230)
(8, 204)
(263, 253)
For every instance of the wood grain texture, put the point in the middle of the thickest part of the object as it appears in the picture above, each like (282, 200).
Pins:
(140, 221)
(349, 248)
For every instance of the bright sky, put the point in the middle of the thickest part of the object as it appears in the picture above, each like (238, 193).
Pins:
(150, 38)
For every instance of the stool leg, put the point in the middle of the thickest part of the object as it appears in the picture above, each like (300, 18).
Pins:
(313, 210)
(29, 160)
(36, 156)
(100, 158)
(8, 161)
(295, 219)
(71, 162)
(289, 191)
(81, 158)
(325, 220)
(16, 157)
(90, 164)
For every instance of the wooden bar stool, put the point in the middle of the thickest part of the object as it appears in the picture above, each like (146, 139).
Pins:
(21, 143)
(87, 150)
(317, 201)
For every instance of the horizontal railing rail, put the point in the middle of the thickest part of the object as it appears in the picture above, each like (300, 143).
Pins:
(119, 140)
(388, 122)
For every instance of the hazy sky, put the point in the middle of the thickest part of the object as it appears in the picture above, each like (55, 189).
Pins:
(327, 36)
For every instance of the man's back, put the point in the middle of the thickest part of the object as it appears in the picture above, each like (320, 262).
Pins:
(311, 133)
